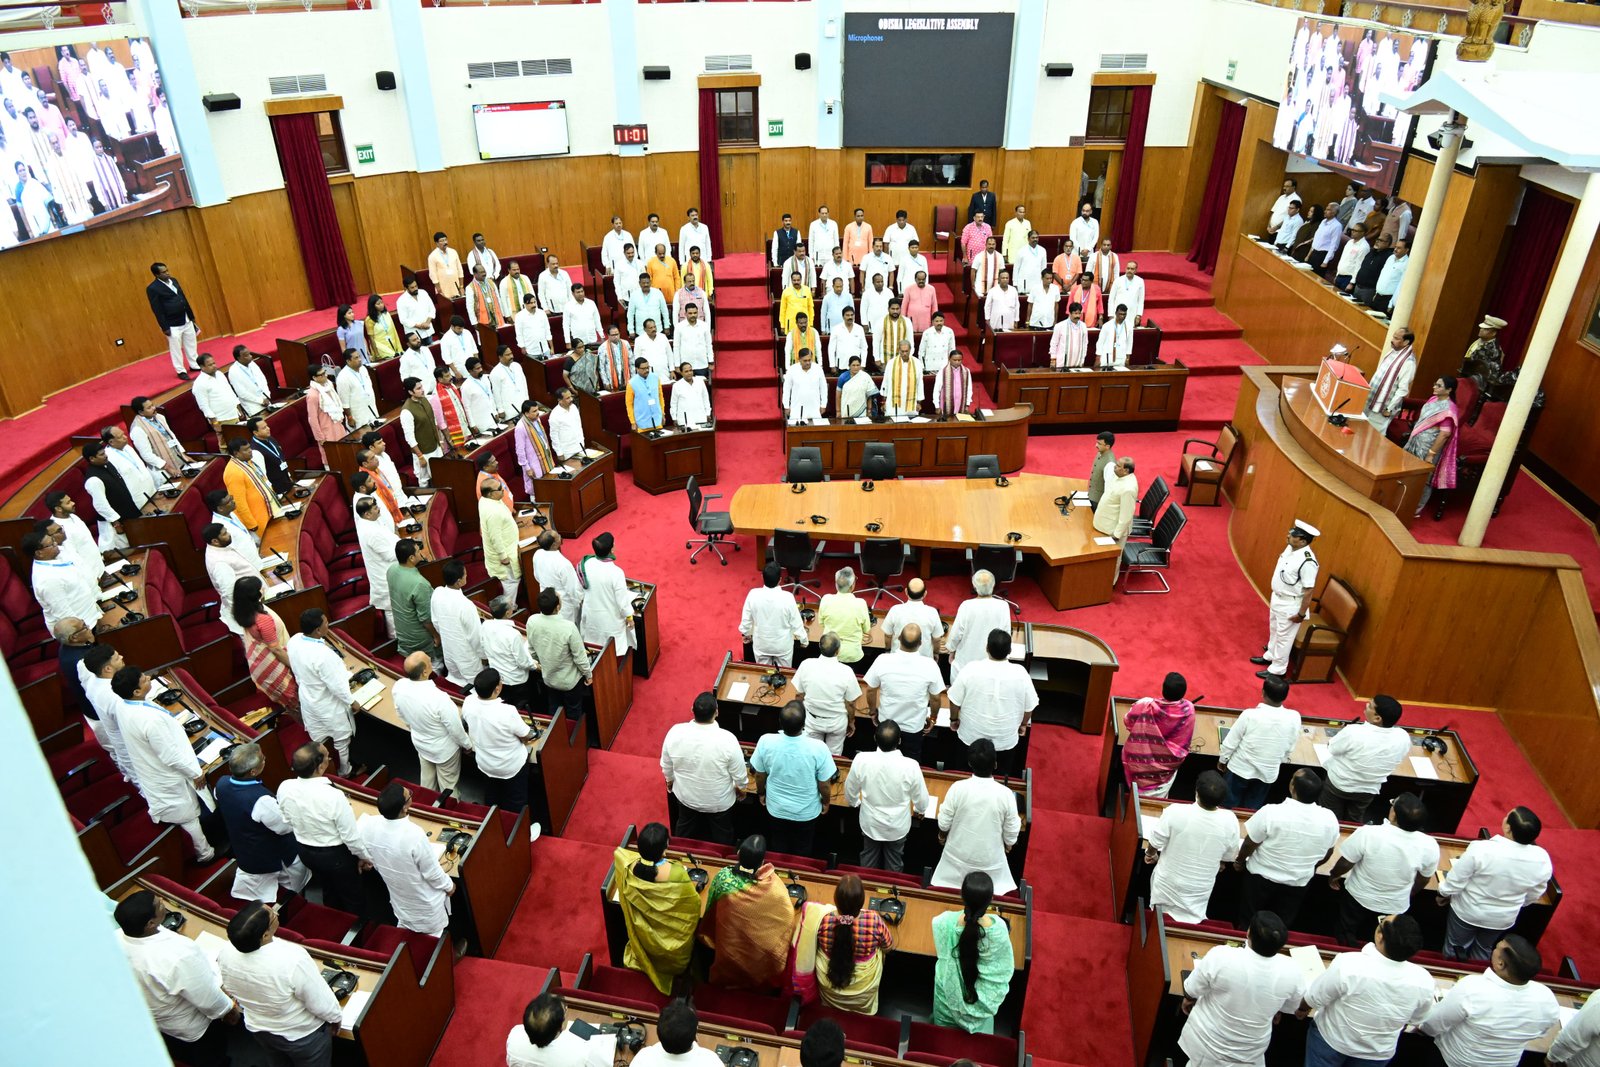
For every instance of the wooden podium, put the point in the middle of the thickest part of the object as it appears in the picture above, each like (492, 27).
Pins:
(667, 462)
(584, 496)
(1340, 387)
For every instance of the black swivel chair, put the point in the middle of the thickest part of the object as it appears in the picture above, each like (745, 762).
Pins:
(882, 558)
(1001, 561)
(798, 555)
(712, 526)
(805, 465)
(983, 466)
(1155, 556)
(1144, 523)
(877, 461)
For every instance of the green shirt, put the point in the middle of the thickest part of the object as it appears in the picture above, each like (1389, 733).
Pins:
(409, 599)
(558, 647)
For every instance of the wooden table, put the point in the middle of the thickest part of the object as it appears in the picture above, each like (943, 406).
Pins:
(1130, 877)
(1446, 791)
(1161, 954)
(666, 463)
(1141, 398)
(1363, 458)
(928, 446)
(947, 513)
(405, 1017)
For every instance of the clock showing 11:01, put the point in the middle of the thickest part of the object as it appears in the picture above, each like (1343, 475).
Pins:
(635, 134)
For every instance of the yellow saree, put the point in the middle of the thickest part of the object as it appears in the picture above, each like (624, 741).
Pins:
(660, 918)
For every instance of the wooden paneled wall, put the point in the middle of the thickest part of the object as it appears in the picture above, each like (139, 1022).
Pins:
(1568, 435)
(1289, 316)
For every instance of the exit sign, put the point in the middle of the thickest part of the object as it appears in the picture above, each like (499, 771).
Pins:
(365, 154)
(774, 127)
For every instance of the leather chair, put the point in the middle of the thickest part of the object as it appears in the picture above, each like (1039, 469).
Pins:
(1156, 555)
(877, 461)
(712, 526)
(805, 465)
(1322, 635)
(986, 466)
(1144, 523)
(882, 558)
(1202, 472)
(1003, 562)
(798, 555)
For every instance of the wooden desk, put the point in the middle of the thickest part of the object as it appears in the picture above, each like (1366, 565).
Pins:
(948, 513)
(1130, 877)
(1143, 398)
(577, 501)
(667, 462)
(1363, 459)
(928, 447)
(404, 1019)
(491, 874)
(1161, 954)
(1445, 792)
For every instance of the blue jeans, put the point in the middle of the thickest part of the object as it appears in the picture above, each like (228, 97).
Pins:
(1463, 941)
(1321, 1054)
(1246, 792)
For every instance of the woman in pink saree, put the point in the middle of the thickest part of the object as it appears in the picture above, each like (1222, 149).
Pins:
(1159, 732)
(1435, 436)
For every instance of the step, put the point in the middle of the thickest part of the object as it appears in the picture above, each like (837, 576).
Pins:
(748, 409)
(1212, 355)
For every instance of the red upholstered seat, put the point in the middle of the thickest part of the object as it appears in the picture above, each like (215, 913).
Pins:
(132, 836)
(185, 679)
(330, 503)
(785, 863)
(318, 921)
(852, 1044)
(381, 940)
(736, 1022)
(621, 1003)
(29, 648)
(347, 594)
(871, 876)
(91, 800)
(366, 955)
(989, 1049)
(185, 897)
(702, 849)
(1478, 438)
(195, 613)
(427, 798)
(608, 981)
(71, 761)
(757, 1010)
(860, 1031)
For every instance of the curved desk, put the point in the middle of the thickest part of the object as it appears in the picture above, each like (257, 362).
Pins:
(947, 513)
(1363, 458)
(925, 447)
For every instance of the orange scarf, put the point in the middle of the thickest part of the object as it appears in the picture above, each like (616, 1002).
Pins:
(450, 407)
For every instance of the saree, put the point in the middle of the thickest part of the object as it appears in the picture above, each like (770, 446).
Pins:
(660, 918)
(270, 674)
(748, 924)
(1159, 733)
(860, 994)
(995, 966)
(1436, 414)
(803, 951)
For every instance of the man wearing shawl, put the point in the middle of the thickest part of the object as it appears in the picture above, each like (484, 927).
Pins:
(660, 908)
(1159, 732)
(748, 921)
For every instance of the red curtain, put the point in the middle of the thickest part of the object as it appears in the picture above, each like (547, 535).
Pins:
(311, 205)
(1219, 186)
(1535, 244)
(1132, 164)
(710, 169)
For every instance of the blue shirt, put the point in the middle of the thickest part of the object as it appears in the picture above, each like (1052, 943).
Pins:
(794, 766)
(646, 392)
(833, 306)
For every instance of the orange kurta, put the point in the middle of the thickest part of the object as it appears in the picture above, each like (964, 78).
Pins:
(254, 508)
(664, 276)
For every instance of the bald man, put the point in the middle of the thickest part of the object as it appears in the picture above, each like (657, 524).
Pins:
(903, 687)
(435, 723)
(914, 610)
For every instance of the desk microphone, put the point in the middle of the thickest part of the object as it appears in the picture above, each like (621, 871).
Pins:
(1337, 419)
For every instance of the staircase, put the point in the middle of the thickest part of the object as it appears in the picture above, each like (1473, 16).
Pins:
(1196, 334)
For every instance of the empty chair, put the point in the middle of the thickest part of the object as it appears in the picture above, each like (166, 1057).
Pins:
(983, 466)
(1322, 635)
(805, 465)
(877, 461)
(1203, 472)
(991, 1050)
(712, 526)
(1156, 555)
(794, 551)
(882, 558)
(1003, 562)
(1149, 507)
(944, 227)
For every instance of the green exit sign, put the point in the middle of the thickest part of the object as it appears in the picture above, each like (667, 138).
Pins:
(365, 154)
(774, 127)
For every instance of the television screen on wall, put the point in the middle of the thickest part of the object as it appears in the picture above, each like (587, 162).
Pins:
(516, 131)
(86, 137)
(1331, 110)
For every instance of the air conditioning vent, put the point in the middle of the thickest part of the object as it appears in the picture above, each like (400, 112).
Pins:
(291, 84)
(544, 68)
(511, 68)
(1124, 60)
(716, 64)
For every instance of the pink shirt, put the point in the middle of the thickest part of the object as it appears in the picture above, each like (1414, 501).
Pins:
(973, 239)
(919, 304)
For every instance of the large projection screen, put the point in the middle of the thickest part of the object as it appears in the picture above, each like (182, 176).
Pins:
(914, 80)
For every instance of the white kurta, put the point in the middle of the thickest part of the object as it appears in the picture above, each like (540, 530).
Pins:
(1129, 291)
(1113, 343)
(417, 885)
(607, 606)
(1237, 993)
(935, 348)
(691, 403)
(478, 396)
(969, 633)
(1069, 343)
(324, 685)
(80, 543)
(225, 567)
(979, 818)
(163, 761)
(377, 552)
(1000, 308)
(1193, 842)
(456, 619)
(509, 384)
(66, 589)
(552, 570)
(805, 393)
(357, 396)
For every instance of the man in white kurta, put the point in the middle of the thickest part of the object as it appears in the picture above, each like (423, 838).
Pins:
(1069, 341)
(533, 329)
(1114, 341)
(249, 384)
(437, 732)
(691, 403)
(612, 244)
(400, 850)
(356, 392)
(1029, 270)
(805, 389)
(416, 311)
(214, 395)
(79, 543)
(181, 990)
(822, 237)
(64, 586)
(155, 442)
(456, 619)
(1001, 305)
(508, 384)
(1391, 381)
(771, 620)
(377, 540)
(1085, 229)
(938, 341)
(691, 343)
(477, 395)
(164, 765)
(607, 600)
(324, 682)
(1129, 290)
(1236, 993)
(555, 286)
(227, 561)
(552, 570)
(1187, 845)
(979, 823)
(969, 633)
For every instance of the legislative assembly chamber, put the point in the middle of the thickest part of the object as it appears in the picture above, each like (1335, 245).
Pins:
(972, 533)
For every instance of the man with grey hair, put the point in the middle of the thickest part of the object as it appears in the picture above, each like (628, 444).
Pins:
(846, 615)
(831, 693)
(552, 570)
(969, 633)
(434, 721)
(324, 826)
(263, 844)
(507, 652)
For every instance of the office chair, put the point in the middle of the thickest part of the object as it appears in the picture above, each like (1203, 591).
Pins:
(798, 555)
(882, 558)
(712, 526)
(1003, 562)
(805, 465)
(877, 461)
(983, 466)
(1155, 556)
(1144, 523)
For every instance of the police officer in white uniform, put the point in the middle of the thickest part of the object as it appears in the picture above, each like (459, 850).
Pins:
(1294, 576)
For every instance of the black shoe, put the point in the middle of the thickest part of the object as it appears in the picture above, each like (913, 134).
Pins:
(1269, 674)
(184, 375)
(1260, 661)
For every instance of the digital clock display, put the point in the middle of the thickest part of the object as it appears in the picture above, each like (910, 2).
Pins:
(638, 133)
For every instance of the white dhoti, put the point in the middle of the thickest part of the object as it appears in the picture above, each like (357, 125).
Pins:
(264, 887)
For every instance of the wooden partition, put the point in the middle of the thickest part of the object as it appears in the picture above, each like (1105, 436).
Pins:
(1290, 316)
(1439, 624)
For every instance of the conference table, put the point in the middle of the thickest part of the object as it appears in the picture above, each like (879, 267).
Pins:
(922, 445)
(1357, 454)
(1073, 568)
(1444, 780)
(1319, 914)
(1161, 955)
(1145, 398)
(393, 1019)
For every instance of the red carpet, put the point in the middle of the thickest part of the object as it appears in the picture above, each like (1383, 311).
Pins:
(490, 997)
(1077, 1005)
(558, 918)
(1081, 887)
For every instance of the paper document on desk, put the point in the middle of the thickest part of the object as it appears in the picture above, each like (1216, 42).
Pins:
(277, 589)
(209, 945)
(352, 1009)
(987, 413)
(593, 453)
(931, 808)
(738, 691)
(1081, 496)
(962, 416)
(370, 693)
(276, 559)
(438, 849)
(1422, 767)
(212, 751)
(308, 483)
(1019, 651)
(1309, 961)
(1105, 542)
(1202, 464)
(819, 422)
(921, 418)
(943, 718)
(1567, 1014)
(864, 420)
(1324, 754)
(113, 568)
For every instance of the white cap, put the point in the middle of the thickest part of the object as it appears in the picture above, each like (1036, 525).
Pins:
(1306, 528)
